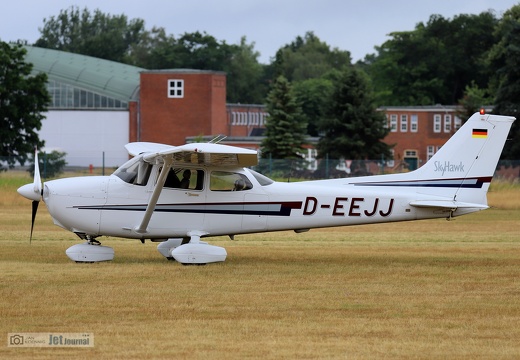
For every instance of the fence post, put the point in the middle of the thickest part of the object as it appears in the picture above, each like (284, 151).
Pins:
(270, 164)
(326, 165)
(45, 165)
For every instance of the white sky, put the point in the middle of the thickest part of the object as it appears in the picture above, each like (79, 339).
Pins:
(353, 25)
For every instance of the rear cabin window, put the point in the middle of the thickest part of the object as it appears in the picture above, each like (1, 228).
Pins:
(229, 181)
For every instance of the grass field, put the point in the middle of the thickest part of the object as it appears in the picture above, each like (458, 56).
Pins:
(428, 289)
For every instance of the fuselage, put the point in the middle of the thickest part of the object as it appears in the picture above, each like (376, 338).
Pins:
(114, 205)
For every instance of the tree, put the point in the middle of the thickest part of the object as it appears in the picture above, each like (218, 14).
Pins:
(50, 164)
(353, 128)
(308, 58)
(23, 99)
(433, 63)
(285, 130)
(473, 100)
(97, 34)
(505, 60)
(245, 75)
(314, 95)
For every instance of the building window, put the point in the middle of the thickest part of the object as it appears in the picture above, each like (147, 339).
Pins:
(447, 123)
(393, 123)
(175, 88)
(410, 153)
(437, 123)
(391, 162)
(414, 123)
(404, 123)
(430, 151)
(457, 123)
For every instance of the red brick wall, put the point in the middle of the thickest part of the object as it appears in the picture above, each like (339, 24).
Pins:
(424, 136)
(132, 120)
(202, 110)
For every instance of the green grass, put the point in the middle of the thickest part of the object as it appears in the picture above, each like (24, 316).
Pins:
(425, 289)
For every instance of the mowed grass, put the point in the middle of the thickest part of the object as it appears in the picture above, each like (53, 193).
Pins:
(427, 289)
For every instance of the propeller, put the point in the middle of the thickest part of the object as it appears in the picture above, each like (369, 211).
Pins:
(33, 191)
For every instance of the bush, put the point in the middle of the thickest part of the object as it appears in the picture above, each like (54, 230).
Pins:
(51, 164)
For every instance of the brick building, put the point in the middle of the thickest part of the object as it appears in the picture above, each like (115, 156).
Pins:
(98, 106)
(176, 104)
(418, 132)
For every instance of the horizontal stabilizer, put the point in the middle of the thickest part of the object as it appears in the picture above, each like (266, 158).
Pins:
(446, 204)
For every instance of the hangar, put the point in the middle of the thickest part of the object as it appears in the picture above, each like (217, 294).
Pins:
(89, 110)
(98, 106)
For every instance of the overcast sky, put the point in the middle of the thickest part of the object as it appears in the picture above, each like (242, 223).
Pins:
(353, 25)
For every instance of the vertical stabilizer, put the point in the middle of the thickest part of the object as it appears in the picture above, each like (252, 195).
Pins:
(467, 162)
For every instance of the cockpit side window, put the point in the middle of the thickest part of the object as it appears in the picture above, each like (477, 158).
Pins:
(136, 171)
(179, 178)
(229, 181)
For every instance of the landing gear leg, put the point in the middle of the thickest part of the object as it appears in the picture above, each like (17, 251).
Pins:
(92, 240)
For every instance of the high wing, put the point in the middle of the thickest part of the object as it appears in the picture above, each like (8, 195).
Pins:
(189, 154)
(195, 154)
(138, 148)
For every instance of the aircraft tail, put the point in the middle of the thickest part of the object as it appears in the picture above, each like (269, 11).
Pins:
(459, 174)
(467, 162)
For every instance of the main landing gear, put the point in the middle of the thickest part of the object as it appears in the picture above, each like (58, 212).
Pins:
(90, 251)
(192, 251)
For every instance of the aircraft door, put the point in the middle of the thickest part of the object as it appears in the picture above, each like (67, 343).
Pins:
(181, 206)
(225, 207)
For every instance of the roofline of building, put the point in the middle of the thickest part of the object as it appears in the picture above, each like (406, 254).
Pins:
(240, 139)
(182, 71)
(429, 108)
(79, 71)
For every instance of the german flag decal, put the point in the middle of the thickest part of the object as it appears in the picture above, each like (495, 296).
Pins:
(479, 133)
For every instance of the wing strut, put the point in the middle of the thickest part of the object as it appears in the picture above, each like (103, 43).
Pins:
(141, 229)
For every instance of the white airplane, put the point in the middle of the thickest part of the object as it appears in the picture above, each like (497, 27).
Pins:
(177, 195)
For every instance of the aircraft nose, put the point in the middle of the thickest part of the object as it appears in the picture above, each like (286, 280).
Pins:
(29, 191)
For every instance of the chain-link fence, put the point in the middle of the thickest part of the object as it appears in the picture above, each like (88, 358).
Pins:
(291, 170)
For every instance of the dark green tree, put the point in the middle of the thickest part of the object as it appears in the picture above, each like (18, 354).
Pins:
(353, 128)
(23, 100)
(50, 164)
(245, 80)
(505, 60)
(315, 96)
(473, 100)
(245, 75)
(285, 129)
(95, 34)
(433, 63)
(308, 58)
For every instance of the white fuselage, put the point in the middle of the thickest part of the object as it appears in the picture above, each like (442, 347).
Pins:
(110, 206)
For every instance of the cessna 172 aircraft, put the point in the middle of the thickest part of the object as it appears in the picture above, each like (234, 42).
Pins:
(177, 195)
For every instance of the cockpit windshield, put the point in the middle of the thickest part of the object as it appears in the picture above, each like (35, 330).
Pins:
(135, 171)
